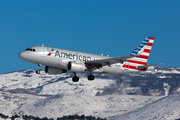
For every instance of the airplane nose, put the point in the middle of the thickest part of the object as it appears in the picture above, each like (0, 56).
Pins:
(22, 55)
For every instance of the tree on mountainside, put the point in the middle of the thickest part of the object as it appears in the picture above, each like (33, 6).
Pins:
(82, 116)
(71, 117)
(45, 118)
(37, 118)
(3, 116)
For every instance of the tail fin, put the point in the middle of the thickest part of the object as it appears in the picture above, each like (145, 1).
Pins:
(143, 49)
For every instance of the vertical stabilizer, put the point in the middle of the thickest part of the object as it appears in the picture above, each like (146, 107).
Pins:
(144, 49)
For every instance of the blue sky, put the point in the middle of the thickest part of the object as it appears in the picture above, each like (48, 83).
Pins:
(113, 28)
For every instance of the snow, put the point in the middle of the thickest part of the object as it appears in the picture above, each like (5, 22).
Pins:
(161, 76)
(60, 105)
(10, 102)
(163, 109)
(52, 84)
(108, 96)
(10, 119)
(84, 87)
(166, 88)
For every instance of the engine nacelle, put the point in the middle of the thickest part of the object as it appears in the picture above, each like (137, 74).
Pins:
(54, 70)
(76, 67)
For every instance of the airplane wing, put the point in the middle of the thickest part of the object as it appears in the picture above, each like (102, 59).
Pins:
(107, 62)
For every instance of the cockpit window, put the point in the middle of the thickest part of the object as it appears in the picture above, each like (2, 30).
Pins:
(29, 49)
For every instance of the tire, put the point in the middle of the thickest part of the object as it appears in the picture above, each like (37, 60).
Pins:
(37, 71)
(75, 79)
(91, 77)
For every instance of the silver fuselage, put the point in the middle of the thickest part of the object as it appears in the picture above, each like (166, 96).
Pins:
(60, 57)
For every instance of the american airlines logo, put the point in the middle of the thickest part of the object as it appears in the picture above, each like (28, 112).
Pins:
(49, 54)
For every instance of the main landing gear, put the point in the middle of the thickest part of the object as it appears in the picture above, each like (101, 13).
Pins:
(76, 79)
(91, 77)
(38, 71)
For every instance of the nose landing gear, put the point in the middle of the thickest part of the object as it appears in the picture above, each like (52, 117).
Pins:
(38, 71)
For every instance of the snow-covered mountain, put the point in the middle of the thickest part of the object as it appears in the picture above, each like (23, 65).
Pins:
(108, 96)
(60, 105)
(160, 82)
(167, 108)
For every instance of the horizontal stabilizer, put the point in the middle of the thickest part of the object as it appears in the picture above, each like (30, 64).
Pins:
(146, 66)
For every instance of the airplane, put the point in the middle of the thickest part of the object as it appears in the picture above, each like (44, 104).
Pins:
(59, 61)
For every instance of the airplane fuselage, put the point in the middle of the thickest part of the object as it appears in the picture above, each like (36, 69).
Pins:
(60, 58)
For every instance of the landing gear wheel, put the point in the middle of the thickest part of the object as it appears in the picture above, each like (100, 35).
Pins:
(39, 67)
(91, 77)
(75, 79)
(37, 71)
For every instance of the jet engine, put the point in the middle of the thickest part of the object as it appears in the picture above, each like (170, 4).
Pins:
(76, 67)
(54, 70)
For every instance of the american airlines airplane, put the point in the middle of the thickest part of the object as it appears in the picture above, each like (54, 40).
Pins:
(59, 61)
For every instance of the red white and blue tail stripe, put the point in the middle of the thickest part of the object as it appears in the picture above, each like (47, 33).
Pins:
(144, 49)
